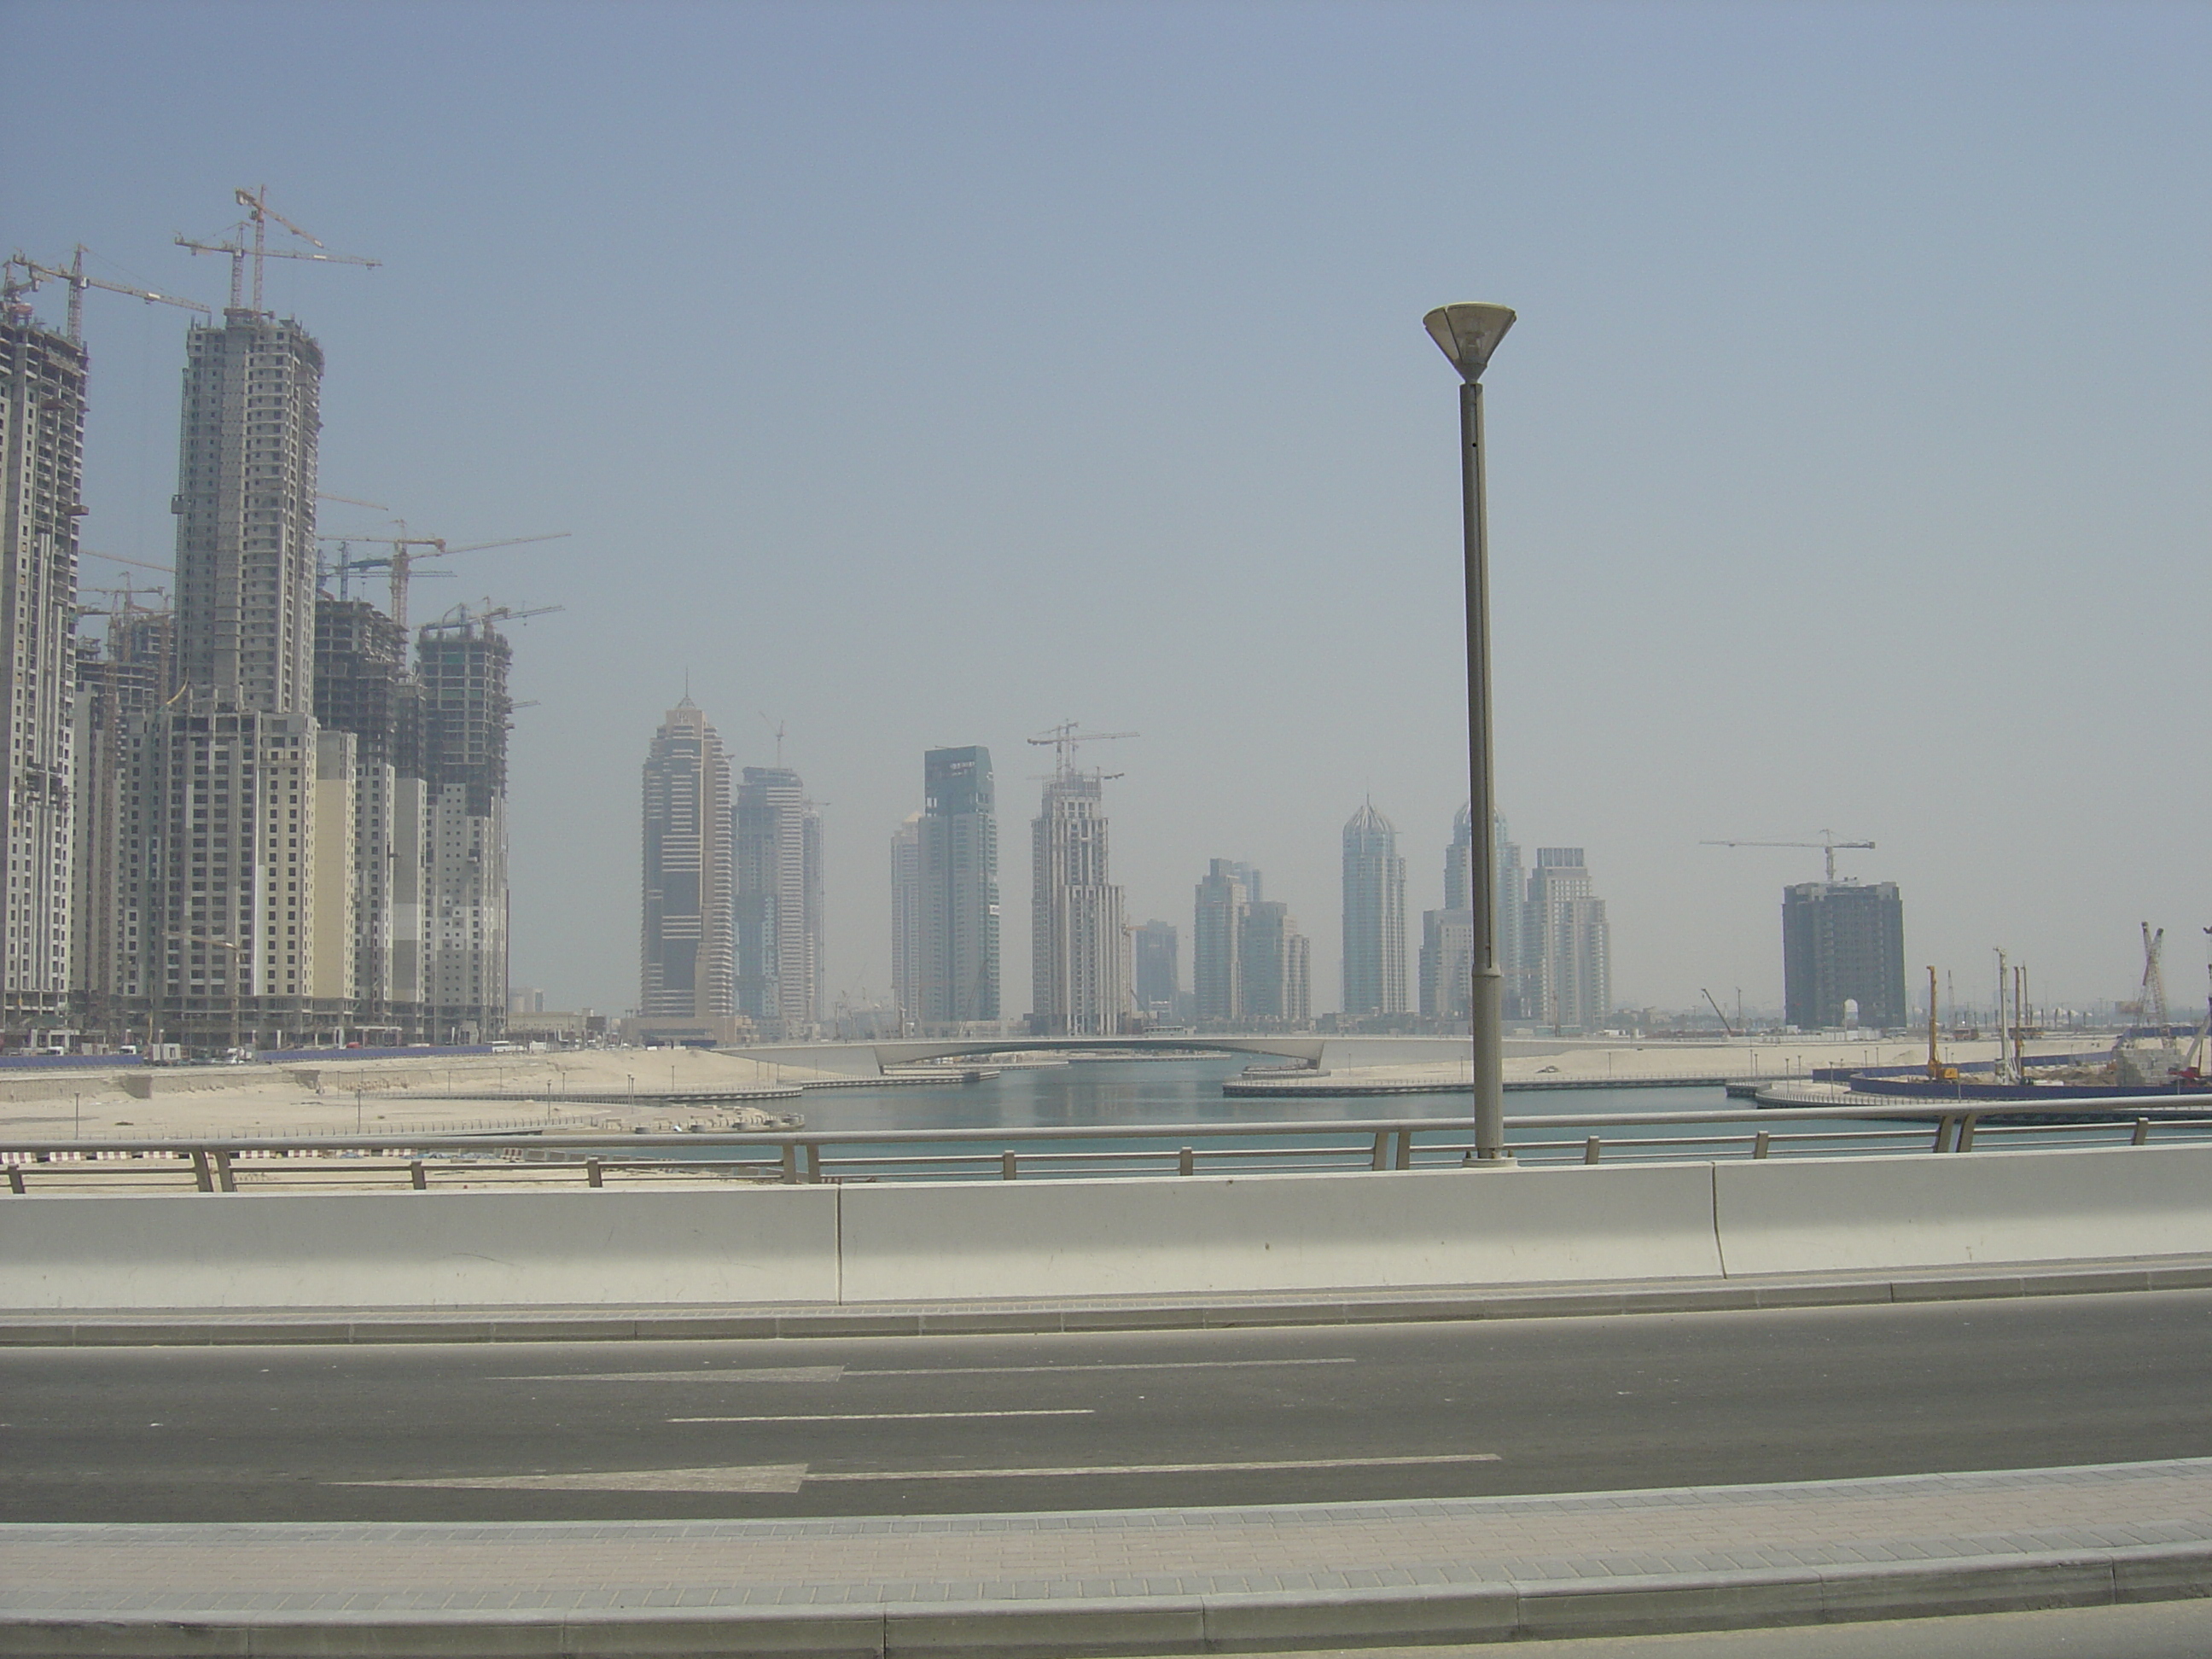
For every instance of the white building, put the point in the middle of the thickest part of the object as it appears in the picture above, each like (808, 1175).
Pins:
(1079, 953)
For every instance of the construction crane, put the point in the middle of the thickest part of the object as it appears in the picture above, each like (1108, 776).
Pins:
(73, 274)
(462, 617)
(1066, 737)
(1723, 1019)
(259, 213)
(1828, 844)
(401, 560)
(117, 558)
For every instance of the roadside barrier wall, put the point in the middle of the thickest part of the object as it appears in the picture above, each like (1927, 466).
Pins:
(1193, 1235)
(1877, 1214)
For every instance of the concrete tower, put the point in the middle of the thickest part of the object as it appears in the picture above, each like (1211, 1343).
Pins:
(1565, 930)
(1080, 975)
(1217, 937)
(688, 970)
(42, 390)
(1374, 916)
(463, 661)
(906, 919)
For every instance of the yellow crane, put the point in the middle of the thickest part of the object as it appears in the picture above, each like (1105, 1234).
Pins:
(74, 273)
(401, 560)
(259, 213)
(1827, 843)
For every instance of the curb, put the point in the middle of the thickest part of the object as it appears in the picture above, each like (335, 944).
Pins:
(216, 1327)
(1516, 1610)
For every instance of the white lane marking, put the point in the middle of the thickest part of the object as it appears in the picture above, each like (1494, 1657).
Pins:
(1079, 1371)
(760, 1477)
(787, 1374)
(1166, 1468)
(885, 1417)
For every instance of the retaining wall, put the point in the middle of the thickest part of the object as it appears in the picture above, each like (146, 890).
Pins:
(744, 1243)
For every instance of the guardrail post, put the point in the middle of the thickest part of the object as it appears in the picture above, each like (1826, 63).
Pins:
(1405, 1149)
(1944, 1126)
(203, 1177)
(2141, 1136)
(1967, 1133)
(417, 1177)
(224, 1181)
(15, 1175)
(1186, 1164)
(1760, 1142)
(791, 1163)
(1006, 1171)
(814, 1162)
(593, 1174)
(1382, 1159)
(1590, 1150)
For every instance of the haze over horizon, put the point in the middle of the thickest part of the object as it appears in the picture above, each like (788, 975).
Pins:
(917, 376)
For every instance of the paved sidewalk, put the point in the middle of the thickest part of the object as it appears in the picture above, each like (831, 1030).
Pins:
(1149, 1580)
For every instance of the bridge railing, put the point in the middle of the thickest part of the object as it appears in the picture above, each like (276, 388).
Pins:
(218, 1164)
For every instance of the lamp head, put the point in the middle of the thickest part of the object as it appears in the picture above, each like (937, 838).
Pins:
(1467, 333)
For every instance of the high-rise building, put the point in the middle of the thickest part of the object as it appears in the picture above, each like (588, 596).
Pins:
(462, 662)
(239, 851)
(1158, 972)
(364, 684)
(1565, 928)
(906, 919)
(1080, 975)
(689, 971)
(1843, 942)
(119, 687)
(779, 902)
(1374, 916)
(41, 474)
(1217, 937)
(959, 829)
(1447, 959)
(1275, 968)
(1509, 917)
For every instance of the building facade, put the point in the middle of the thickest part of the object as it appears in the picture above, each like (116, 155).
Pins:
(1565, 928)
(42, 399)
(462, 662)
(121, 683)
(780, 924)
(1843, 942)
(1217, 941)
(1374, 917)
(1275, 968)
(688, 970)
(1158, 981)
(958, 982)
(906, 921)
(1080, 975)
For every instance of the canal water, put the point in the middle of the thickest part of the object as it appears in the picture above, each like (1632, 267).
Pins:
(1131, 1094)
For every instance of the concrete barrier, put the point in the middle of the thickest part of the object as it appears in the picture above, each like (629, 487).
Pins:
(419, 1250)
(1162, 1237)
(1877, 1214)
(1209, 1233)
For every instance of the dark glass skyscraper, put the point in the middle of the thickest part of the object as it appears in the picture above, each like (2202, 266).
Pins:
(958, 977)
(1843, 942)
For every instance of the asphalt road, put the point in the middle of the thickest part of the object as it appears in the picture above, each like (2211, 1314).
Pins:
(633, 1430)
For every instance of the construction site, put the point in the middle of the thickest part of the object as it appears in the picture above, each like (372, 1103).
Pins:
(286, 826)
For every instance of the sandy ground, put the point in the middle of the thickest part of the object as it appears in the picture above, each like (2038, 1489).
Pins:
(519, 1091)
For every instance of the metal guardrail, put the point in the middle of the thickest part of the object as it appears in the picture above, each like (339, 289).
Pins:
(216, 1164)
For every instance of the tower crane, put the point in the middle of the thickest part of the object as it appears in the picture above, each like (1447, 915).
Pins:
(1827, 843)
(74, 274)
(402, 558)
(117, 558)
(1064, 739)
(461, 617)
(259, 213)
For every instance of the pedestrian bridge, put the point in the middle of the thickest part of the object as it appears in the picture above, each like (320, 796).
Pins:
(874, 1059)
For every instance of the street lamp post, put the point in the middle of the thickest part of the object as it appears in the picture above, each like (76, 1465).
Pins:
(1468, 334)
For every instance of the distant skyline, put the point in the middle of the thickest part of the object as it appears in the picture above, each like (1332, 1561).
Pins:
(921, 376)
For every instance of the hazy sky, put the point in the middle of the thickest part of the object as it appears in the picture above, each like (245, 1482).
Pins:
(928, 374)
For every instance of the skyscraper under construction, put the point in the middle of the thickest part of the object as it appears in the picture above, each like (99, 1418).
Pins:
(1079, 956)
(42, 394)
